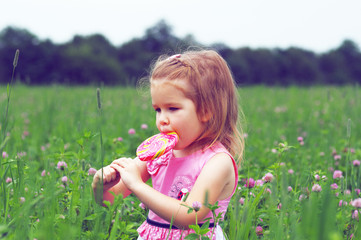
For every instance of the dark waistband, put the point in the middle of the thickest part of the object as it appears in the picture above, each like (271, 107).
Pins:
(165, 225)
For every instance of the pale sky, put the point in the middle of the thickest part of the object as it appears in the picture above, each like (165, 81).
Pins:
(317, 25)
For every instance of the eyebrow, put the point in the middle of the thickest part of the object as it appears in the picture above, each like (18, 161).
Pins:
(167, 104)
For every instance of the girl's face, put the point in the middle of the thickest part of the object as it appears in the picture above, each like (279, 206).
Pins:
(175, 112)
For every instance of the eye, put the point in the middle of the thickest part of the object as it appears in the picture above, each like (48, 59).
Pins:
(157, 109)
(173, 108)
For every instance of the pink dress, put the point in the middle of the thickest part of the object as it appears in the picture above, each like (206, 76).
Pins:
(174, 179)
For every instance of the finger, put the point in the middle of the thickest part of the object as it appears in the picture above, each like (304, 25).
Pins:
(122, 163)
(96, 177)
(105, 175)
(114, 173)
(108, 172)
(119, 160)
(117, 168)
(122, 160)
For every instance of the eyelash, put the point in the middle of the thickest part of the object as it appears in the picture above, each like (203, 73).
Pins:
(171, 109)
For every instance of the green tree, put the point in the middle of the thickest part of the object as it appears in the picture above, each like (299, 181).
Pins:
(37, 59)
(299, 67)
(90, 60)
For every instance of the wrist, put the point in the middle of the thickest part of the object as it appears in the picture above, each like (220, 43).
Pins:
(137, 187)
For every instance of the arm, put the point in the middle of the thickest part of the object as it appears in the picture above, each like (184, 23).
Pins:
(216, 178)
(112, 181)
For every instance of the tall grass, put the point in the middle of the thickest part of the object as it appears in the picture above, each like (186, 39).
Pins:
(60, 124)
(4, 167)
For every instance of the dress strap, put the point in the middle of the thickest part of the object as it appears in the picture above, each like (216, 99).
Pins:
(165, 225)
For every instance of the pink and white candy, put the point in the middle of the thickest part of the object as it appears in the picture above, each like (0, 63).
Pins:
(157, 146)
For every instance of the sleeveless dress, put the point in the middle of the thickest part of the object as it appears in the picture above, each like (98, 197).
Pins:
(174, 179)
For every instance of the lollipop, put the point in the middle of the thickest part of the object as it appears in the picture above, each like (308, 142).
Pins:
(156, 146)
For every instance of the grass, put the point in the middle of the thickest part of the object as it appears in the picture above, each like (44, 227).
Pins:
(47, 125)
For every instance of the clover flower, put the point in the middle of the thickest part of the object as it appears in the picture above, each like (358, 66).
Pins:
(334, 186)
(64, 179)
(142, 206)
(196, 206)
(342, 203)
(21, 154)
(268, 177)
(317, 177)
(355, 214)
(300, 141)
(337, 174)
(356, 162)
(61, 165)
(131, 131)
(5, 155)
(92, 171)
(144, 126)
(259, 230)
(302, 196)
(356, 203)
(259, 182)
(9, 180)
(316, 188)
(26, 133)
(357, 190)
(249, 183)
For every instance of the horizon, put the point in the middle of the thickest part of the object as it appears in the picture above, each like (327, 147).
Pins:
(317, 26)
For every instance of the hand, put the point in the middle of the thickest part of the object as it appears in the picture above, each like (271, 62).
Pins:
(128, 170)
(110, 178)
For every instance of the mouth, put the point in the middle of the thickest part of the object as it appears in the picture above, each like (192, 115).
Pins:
(166, 131)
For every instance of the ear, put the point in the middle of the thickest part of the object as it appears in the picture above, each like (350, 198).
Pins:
(206, 116)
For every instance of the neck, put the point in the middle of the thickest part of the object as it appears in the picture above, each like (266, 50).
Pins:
(179, 153)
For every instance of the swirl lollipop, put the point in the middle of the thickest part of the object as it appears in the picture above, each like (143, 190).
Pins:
(156, 146)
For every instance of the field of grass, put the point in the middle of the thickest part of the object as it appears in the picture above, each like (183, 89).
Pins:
(299, 141)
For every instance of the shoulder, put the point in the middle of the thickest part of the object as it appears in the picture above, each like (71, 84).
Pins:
(220, 157)
(219, 166)
(222, 162)
(219, 174)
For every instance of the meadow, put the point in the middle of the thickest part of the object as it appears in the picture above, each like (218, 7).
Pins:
(300, 176)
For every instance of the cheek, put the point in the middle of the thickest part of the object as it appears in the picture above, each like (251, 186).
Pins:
(157, 122)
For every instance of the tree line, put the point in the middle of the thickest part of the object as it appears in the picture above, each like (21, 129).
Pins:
(94, 60)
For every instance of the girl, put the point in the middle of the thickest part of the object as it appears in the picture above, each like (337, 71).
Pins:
(193, 95)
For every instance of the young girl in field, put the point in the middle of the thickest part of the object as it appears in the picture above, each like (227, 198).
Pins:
(195, 96)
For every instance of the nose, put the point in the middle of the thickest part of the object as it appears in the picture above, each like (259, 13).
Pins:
(163, 119)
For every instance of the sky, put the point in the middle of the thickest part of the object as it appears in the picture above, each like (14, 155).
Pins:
(316, 25)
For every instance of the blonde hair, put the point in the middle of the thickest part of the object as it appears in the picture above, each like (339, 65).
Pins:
(213, 91)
